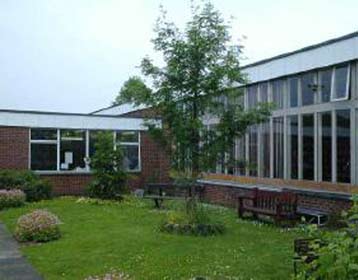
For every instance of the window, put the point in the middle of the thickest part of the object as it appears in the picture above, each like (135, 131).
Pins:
(73, 150)
(293, 92)
(308, 147)
(93, 135)
(129, 141)
(341, 83)
(308, 88)
(343, 146)
(43, 149)
(278, 138)
(326, 85)
(265, 149)
(326, 146)
(241, 155)
(264, 92)
(252, 96)
(253, 150)
(278, 89)
(293, 146)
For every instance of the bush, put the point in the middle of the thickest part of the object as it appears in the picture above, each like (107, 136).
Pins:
(337, 251)
(193, 219)
(38, 226)
(193, 229)
(108, 172)
(35, 188)
(11, 198)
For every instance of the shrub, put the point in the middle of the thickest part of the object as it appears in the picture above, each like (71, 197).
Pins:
(108, 171)
(193, 229)
(11, 198)
(35, 188)
(193, 219)
(336, 250)
(38, 226)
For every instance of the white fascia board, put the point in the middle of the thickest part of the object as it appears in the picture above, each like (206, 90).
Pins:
(71, 121)
(120, 109)
(326, 55)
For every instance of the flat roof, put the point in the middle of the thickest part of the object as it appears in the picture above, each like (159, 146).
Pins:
(304, 49)
(41, 119)
(332, 52)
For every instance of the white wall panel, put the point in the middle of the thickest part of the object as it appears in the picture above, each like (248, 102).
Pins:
(71, 121)
(325, 55)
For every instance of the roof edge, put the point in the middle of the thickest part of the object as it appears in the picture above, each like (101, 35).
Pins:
(304, 49)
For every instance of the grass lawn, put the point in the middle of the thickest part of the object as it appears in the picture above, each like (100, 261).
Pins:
(97, 238)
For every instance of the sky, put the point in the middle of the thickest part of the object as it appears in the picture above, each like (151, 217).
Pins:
(74, 55)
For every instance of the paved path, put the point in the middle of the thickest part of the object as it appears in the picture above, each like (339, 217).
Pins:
(13, 266)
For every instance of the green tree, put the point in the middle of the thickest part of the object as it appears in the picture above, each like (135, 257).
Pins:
(200, 77)
(134, 90)
(107, 164)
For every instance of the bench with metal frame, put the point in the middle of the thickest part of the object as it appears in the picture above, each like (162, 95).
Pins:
(279, 205)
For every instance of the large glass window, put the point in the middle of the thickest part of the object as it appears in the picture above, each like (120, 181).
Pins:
(341, 83)
(264, 92)
(308, 147)
(129, 141)
(241, 164)
(252, 96)
(343, 146)
(73, 150)
(93, 136)
(278, 147)
(278, 90)
(326, 85)
(293, 91)
(293, 146)
(253, 150)
(43, 149)
(308, 88)
(326, 146)
(265, 150)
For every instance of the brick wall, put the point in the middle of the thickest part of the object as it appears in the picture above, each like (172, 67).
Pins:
(14, 148)
(227, 196)
(14, 154)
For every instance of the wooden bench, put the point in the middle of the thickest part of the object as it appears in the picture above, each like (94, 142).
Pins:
(279, 205)
(159, 192)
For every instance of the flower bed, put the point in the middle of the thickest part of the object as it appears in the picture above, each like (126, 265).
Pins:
(193, 229)
(11, 198)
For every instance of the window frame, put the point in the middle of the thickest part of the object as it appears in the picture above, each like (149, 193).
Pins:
(333, 83)
(139, 169)
(43, 142)
(87, 169)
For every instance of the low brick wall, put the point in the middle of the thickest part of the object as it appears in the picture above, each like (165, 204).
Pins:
(227, 196)
(75, 184)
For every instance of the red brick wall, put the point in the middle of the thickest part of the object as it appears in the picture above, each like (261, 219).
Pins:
(14, 154)
(14, 148)
(155, 168)
(227, 196)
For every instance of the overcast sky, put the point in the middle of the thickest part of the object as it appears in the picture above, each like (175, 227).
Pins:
(74, 55)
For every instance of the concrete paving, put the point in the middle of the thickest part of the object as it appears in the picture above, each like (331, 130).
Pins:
(13, 266)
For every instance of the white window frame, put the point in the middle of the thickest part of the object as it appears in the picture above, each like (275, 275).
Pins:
(43, 142)
(333, 85)
(87, 170)
(139, 169)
